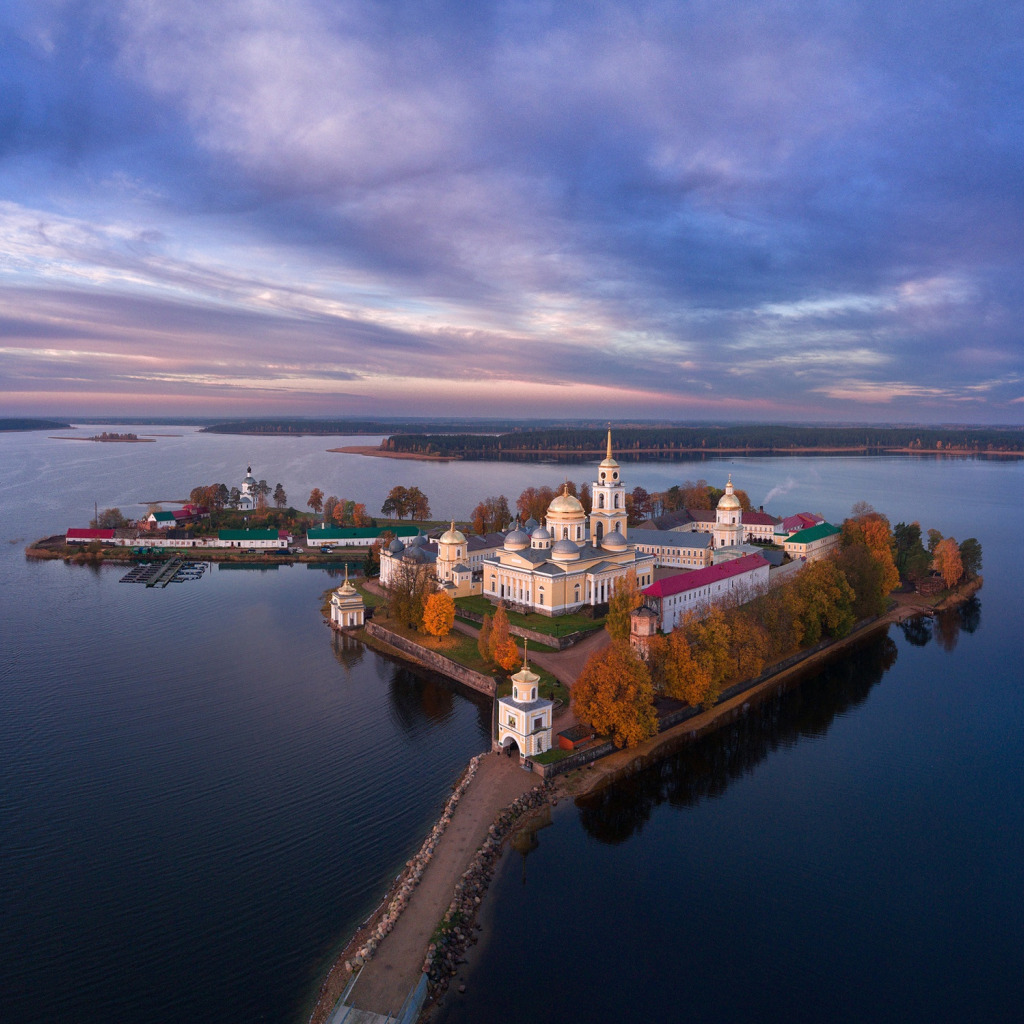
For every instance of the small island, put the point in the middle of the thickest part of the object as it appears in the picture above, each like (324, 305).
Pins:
(105, 436)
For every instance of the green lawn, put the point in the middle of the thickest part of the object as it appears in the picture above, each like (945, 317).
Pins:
(551, 756)
(559, 625)
(457, 646)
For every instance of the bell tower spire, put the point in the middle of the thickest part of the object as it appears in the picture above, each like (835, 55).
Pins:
(608, 509)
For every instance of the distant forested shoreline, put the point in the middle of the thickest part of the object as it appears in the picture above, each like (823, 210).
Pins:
(30, 424)
(669, 441)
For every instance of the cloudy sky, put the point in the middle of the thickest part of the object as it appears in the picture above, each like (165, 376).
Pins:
(693, 210)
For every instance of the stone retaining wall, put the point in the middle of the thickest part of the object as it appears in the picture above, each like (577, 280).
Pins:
(432, 660)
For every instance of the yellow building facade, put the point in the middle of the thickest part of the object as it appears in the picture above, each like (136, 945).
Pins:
(571, 560)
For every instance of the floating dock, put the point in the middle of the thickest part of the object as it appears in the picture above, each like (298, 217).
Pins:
(159, 574)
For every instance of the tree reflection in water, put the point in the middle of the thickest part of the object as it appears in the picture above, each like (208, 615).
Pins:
(705, 768)
(948, 624)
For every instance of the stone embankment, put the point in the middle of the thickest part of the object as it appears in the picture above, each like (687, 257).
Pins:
(455, 932)
(432, 660)
(414, 869)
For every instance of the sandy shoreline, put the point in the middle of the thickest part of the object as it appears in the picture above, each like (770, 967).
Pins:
(367, 449)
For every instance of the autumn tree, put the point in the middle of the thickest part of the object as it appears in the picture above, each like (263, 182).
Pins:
(676, 672)
(826, 600)
(344, 513)
(709, 637)
(970, 558)
(934, 536)
(501, 648)
(483, 640)
(912, 560)
(407, 592)
(371, 566)
(748, 646)
(506, 655)
(396, 503)
(280, 496)
(109, 519)
(316, 500)
(418, 504)
(262, 490)
(533, 503)
(947, 563)
(871, 529)
(329, 506)
(439, 613)
(585, 498)
(779, 612)
(360, 517)
(638, 506)
(491, 514)
(864, 573)
(614, 694)
(626, 597)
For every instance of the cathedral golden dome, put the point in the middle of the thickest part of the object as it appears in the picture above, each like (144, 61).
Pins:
(565, 504)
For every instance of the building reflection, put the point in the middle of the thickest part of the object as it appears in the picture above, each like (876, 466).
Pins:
(348, 651)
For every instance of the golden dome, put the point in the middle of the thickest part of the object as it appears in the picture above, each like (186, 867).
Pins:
(729, 502)
(565, 504)
(452, 536)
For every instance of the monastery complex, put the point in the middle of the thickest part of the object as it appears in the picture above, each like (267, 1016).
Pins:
(574, 560)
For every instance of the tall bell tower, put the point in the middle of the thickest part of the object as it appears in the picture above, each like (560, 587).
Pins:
(608, 511)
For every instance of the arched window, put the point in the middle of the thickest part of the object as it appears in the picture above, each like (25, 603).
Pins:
(565, 533)
(616, 501)
(600, 501)
(576, 592)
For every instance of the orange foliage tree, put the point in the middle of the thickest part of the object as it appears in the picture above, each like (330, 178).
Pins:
(501, 646)
(947, 562)
(676, 671)
(439, 613)
(871, 529)
(614, 693)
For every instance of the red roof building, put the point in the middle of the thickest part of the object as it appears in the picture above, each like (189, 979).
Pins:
(801, 521)
(82, 536)
(676, 596)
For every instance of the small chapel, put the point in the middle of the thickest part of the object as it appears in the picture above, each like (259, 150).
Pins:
(524, 719)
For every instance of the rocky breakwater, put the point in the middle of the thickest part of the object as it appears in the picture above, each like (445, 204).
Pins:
(410, 877)
(445, 952)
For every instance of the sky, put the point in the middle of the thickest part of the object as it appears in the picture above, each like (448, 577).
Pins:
(742, 211)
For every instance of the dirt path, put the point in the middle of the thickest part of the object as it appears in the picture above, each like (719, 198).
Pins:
(395, 968)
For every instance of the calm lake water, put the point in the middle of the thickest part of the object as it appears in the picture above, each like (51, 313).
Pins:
(202, 791)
